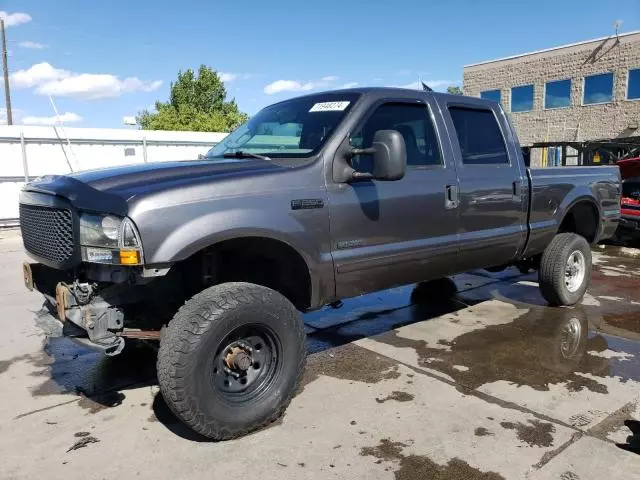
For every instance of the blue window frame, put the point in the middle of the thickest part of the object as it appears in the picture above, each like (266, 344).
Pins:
(522, 98)
(491, 95)
(633, 84)
(598, 89)
(557, 94)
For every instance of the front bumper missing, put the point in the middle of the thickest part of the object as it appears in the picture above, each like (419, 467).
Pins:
(83, 314)
(97, 318)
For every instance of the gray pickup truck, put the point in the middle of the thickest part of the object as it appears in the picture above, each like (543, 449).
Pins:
(313, 200)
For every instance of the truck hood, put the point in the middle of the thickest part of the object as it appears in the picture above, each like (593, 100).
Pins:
(109, 190)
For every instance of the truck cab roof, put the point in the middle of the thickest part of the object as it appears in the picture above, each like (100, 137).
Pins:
(377, 93)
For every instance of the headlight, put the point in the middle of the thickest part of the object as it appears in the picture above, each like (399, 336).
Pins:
(109, 239)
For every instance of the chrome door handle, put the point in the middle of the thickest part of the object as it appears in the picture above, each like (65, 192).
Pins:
(451, 199)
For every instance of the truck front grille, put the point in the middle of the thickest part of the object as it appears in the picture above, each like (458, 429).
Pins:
(47, 233)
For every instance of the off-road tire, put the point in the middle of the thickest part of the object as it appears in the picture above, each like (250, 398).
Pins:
(190, 343)
(551, 275)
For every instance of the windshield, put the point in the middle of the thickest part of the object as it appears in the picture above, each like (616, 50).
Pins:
(294, 128)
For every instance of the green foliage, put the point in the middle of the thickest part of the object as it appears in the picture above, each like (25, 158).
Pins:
(196, 103)
(454, 90)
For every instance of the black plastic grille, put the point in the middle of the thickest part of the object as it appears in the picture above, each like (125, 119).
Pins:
(47, 232)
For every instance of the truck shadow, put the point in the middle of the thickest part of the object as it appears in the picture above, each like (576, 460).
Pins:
(491, 352)
(102, 382)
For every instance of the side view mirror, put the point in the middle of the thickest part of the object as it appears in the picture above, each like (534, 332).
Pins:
(389, 156)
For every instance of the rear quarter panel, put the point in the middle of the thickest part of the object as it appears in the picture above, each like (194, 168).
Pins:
(555, 190)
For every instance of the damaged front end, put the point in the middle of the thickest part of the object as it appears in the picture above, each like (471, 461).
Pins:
(90, 262)
(80, 304)
(92, 312)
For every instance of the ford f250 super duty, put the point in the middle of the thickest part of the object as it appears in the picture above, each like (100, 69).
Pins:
(314, 199)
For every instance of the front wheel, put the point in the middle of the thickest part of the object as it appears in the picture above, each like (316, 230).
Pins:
(231, 359)
(565, 269)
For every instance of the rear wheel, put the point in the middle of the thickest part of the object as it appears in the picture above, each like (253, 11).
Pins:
(565, 269)
(231, 359)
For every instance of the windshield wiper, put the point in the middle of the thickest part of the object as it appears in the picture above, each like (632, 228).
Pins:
(241, 154)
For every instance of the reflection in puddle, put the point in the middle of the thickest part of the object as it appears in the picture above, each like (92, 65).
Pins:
(542, 347)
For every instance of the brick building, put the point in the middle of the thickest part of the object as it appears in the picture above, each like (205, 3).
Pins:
(573, 93)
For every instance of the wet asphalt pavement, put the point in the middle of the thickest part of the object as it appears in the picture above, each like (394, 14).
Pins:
(411, 383)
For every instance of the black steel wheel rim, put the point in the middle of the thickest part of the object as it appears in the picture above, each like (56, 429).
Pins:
(246, 363)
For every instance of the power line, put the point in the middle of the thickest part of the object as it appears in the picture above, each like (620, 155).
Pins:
(5, 71)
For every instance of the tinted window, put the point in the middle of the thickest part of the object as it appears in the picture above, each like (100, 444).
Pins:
(479, 136)
(289, 129)
(412, 121)
(491, 95)
(557, 94)
(633, 86)
(598, 88)
(522, 98)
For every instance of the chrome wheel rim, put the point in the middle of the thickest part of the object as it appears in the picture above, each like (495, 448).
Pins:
(570, 337)
(575, 271)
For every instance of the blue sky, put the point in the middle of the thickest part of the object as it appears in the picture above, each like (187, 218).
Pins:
(103, 60)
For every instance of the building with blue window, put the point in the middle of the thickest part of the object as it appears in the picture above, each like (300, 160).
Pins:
(583, 92)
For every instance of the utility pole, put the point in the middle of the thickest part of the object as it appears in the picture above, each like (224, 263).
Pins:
(5, 71)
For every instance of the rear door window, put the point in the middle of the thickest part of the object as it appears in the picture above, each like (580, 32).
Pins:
(479, 136)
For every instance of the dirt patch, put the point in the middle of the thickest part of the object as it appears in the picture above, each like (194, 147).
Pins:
(5, 364)
(626, 321)
(349, 362)
(537, 349)
(419, 467)
(98, 403)
(83, 442)
(482, 432)
(537, 434)
(396, 395)
(604, 283)
(385, 450)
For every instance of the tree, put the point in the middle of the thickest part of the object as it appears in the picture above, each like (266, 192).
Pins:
(454, 90)
(196, 103)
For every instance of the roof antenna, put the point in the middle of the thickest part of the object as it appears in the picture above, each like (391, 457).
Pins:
(59, 119)
(616, 25)
(425, 87)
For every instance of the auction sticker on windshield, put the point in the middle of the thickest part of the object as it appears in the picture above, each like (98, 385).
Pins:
(329, 107)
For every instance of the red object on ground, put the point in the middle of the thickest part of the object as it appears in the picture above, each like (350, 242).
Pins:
(630, 202)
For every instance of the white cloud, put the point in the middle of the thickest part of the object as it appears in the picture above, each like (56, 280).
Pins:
(67, 117)
(13, 19)
(49, 80)
(296, 86)
(228, 77)
(284, 86)
(34, 45)
(37, 74)
(90, 86)
(350, 85)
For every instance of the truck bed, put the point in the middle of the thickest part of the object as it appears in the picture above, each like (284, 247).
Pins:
(554, 190)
